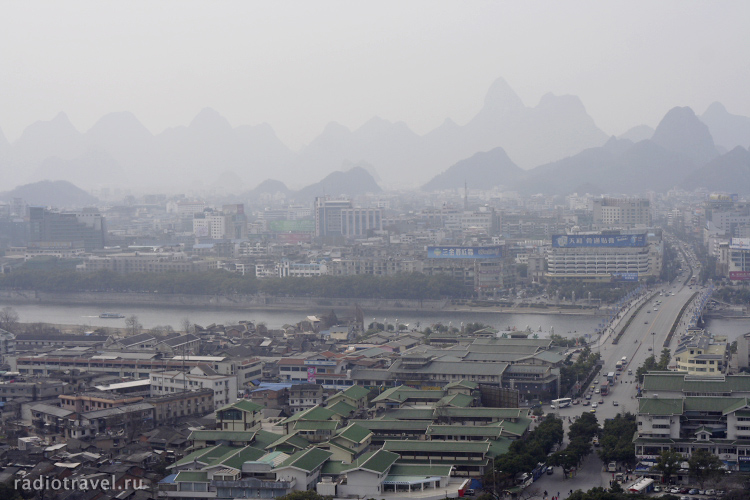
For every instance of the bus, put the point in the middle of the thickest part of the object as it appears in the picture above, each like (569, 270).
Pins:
(605, 388)
(611, 377)
(618, 366)
(561, 403)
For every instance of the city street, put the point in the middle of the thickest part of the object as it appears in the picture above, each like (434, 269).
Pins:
(635, 344)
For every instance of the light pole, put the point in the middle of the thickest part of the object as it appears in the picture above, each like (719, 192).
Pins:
(653, 346)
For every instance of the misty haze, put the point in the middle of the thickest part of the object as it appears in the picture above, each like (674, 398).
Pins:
(387, 250)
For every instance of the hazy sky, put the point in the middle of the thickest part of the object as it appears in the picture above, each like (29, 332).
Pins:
(299, 65)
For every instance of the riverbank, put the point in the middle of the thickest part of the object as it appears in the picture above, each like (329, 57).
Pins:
(118, 300)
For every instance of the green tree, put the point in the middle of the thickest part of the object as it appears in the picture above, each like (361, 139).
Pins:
(704, 465)
(616, 442)
(668, 463)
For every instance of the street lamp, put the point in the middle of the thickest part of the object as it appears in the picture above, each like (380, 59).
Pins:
(653, 339)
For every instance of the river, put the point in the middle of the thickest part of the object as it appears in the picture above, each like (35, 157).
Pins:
(150, 317)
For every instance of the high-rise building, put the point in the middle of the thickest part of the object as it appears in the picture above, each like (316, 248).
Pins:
(625, 213)
(328, 216)
(358, 221)
(84, 229)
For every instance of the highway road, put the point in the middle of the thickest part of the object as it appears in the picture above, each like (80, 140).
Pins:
(648, 330)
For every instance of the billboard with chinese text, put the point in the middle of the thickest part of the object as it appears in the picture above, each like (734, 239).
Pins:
(456, 252)
(603, 240)
(739, 275)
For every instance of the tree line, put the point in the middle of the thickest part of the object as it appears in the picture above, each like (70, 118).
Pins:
(414, 286)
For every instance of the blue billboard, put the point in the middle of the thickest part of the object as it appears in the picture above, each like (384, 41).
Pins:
(599, 240)
(624, 276)
(455, 252)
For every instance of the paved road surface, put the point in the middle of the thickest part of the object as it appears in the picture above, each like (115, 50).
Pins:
(634, 344)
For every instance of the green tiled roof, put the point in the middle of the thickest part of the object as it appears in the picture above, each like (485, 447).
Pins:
(458, 400)
(437, 446)
(342, 408)
(660, 406)
(315, 425)
(409, 414)
(306, 460)
(500, 413)
(356, 392)
(465, 430)
(373, 425)
(376, 461)
(516, 428)
(468, 384)
(499, 447)
(245, 436)
(246, 454)
(712, 404)
(419, 470)
(354, 433)
(680, 381)
(292, 439)
(205, 455)
(315, 413)
(244, 405)
(457, 463)
(402, 393)
(335, 468)
(264, 438)
(191, 477)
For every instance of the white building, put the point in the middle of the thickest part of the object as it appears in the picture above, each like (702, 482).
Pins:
(200, 377)
(602, 255)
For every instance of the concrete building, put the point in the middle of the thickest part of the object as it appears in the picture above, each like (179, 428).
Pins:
(357, 222)
(625, 213)
(328, 219)
(200, 377)
(605, 256)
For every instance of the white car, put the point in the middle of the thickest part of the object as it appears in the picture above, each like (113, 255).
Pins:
(596, 391)
(594, 405)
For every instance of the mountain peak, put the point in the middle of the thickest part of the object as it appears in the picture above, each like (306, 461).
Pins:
(208, 119)
(680, 131)
(502, 98)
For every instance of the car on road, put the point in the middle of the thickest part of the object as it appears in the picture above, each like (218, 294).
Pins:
(645, 322)
(594, 405)
(674, 490)
(587, 402)
(596, 391)
(593, 410)
(615, 403)
(601, 401)
(575, 402)
(694, 491)
(650, 349)
(469, 492)
(684, 490)
(720, 493)
(630, 372)
(550, 471)
(596, 382)
(683, 497)
(588, 396)
(657, 488)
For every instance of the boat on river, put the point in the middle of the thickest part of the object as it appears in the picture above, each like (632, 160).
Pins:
(111, 315)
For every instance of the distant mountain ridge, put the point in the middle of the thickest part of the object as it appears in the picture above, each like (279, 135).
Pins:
(180, 156)
(484, 170)
(680, 152)
(59, 194)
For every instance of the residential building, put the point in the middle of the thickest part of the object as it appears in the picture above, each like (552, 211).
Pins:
(200, 377)
(242, 415)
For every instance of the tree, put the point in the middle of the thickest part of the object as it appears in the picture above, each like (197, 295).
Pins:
(8, 319)
(704, 465)
(186, 325)
(132, 325)
(668, 463)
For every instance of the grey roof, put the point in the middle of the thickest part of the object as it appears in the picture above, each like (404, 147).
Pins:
(182, 339)
(453, 368)
(119, 410)
(51, 410)
(136, 339)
